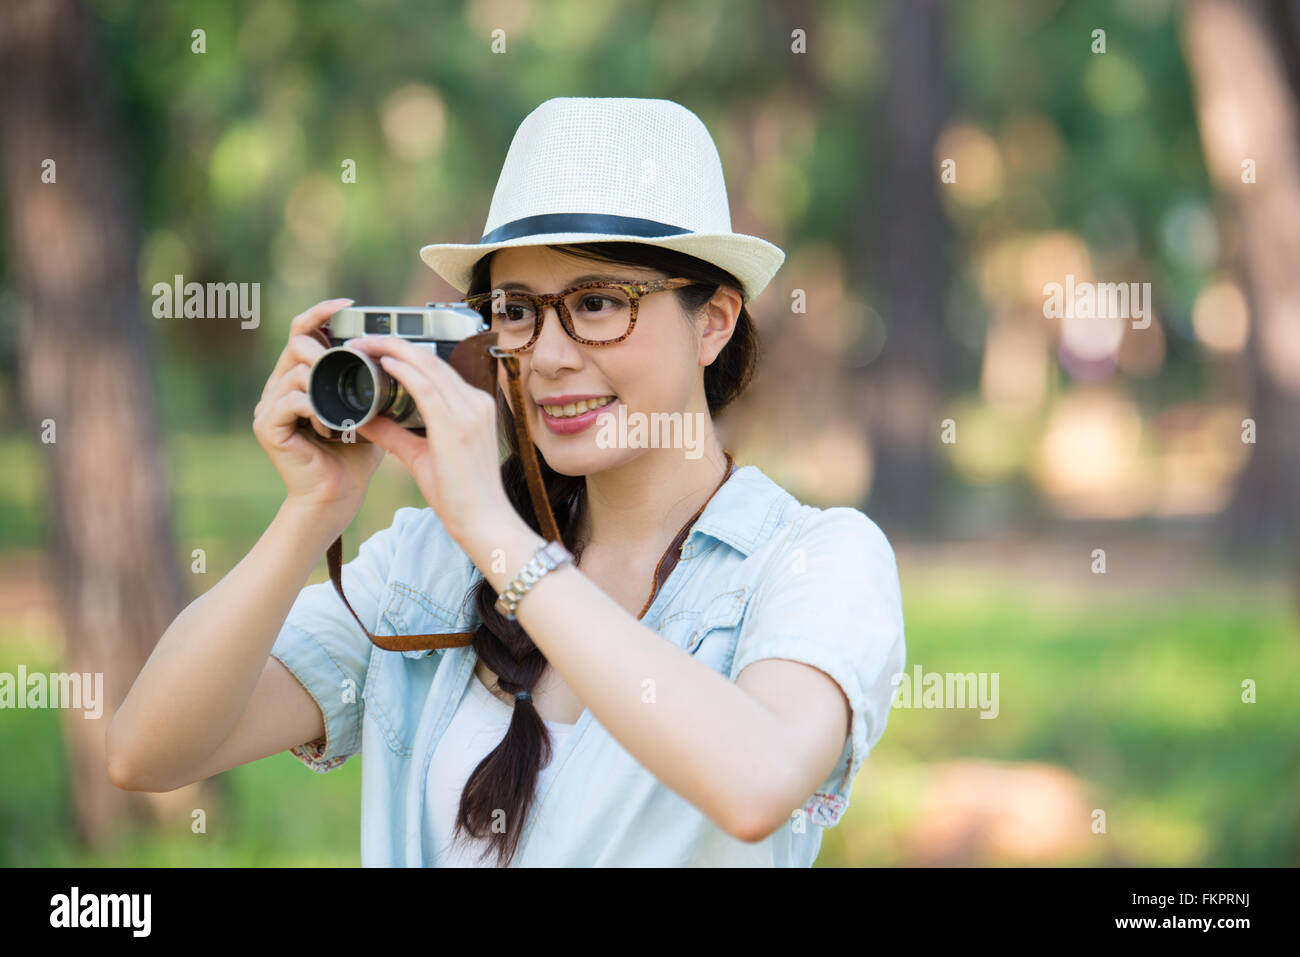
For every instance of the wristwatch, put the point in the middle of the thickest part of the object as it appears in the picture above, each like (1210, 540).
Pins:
(547, 558)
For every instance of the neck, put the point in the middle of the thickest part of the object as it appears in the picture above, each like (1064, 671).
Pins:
(639, 507)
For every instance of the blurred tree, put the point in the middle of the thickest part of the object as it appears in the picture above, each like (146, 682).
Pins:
(85, 377)
(1238, 54)
(905, 256)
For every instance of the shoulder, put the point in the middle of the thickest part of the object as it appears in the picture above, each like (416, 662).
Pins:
(850, 535)
(840, 535)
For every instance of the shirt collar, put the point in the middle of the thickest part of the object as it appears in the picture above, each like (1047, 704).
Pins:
(743, 513)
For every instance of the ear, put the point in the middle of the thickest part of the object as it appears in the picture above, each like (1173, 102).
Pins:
(719, 317)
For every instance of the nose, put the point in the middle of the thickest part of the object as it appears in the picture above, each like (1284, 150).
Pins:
(553, 348)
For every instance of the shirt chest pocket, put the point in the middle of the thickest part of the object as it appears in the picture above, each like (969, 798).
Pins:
(709, 632)
(397, 683)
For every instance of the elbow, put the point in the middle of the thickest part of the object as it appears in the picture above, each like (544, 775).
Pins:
(122, 766)
(761, 812)
(127, 773)
(118, 774)
(118, 761)
(757, 825)
(125, 777)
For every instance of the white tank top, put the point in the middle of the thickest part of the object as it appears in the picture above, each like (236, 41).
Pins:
(476, 728)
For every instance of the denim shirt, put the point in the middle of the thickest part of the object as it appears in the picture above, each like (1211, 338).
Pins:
(760, 576)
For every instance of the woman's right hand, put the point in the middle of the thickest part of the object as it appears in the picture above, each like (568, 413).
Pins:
(324, 475)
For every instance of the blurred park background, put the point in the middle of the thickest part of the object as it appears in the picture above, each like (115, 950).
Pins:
(928, 167)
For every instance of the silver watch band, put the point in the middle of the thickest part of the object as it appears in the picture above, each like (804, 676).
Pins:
(547, 558)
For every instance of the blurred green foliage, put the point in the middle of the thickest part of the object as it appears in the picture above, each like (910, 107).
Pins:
(236, 153)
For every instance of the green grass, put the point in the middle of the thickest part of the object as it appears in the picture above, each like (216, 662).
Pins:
(275, 812)
(1140, 699)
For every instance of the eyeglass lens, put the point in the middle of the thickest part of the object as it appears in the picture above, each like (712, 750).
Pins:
(599, 314)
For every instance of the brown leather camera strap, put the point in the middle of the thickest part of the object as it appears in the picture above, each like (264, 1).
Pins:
(476, 364)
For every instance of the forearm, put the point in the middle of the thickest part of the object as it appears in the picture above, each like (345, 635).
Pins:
(201, 674)
(697, 732)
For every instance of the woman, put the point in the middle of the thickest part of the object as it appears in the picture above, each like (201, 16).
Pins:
(698, 676)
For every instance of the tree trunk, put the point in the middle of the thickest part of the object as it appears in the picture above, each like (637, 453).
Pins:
(904, 247)
(1246, 109)
(85, 374)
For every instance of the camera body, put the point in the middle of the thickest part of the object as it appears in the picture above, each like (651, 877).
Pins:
(348, 389)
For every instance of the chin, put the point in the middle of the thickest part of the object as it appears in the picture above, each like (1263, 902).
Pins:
(583, 460)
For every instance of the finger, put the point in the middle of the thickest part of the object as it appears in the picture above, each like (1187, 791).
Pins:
(306, 348)
(280, 420)
(301, 350)
(391, 437)
(295, 380)
(442, 378)
(431, 403)
(300, 404)
(307, 325)
(301, 347)
(314, 318)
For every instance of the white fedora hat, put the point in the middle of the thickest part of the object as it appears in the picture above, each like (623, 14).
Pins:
(613, 169)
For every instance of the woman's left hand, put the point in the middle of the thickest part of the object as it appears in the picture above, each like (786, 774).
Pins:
(456, 464)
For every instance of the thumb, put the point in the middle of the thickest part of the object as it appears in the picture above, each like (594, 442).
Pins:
(391, 437)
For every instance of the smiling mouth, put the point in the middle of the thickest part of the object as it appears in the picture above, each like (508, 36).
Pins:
(572, 409)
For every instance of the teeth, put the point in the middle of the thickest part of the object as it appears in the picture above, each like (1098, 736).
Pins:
(577, 408)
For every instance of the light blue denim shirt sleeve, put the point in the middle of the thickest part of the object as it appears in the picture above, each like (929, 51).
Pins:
(831, 599)
(325, 649)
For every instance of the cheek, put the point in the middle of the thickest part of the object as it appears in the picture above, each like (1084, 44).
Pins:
(655, 372)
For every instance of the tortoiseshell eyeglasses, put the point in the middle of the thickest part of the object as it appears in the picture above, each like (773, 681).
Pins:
(592, 313)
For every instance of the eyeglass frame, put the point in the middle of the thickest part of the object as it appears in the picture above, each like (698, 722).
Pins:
(541, 300)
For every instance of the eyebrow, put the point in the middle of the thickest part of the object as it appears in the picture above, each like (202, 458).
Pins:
(592, 277)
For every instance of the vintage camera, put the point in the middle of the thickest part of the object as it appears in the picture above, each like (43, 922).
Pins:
(348, 389)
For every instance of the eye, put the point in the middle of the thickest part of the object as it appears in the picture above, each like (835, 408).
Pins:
(514, 311)
(600, 303)
(594, 302)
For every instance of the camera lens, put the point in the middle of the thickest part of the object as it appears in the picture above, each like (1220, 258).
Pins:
(348, 389)
(357, 388)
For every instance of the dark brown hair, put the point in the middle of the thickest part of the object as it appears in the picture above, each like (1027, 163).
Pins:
(505, 780)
